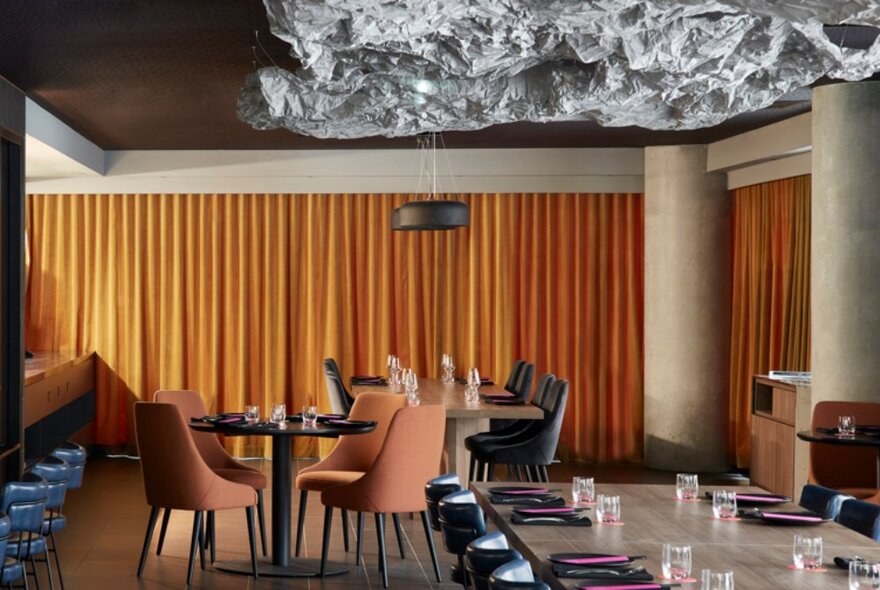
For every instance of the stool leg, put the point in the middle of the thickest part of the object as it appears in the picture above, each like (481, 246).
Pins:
(544, 473)
(490, 471)
(148, 537)
(165, 516)
(54, 550)
(303, 499)
(473, 468)
(396, 518)
(427, 524)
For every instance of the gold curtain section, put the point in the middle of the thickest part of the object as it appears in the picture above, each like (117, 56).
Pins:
(770, 318)
(242, 296)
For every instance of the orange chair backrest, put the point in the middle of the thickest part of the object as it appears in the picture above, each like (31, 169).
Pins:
(191, 405)
(361, 450)
(837, 466)
(175, 476)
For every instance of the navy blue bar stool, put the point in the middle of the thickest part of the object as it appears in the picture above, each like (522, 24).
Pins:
(862, 517)
(515, 575)
(822, 500)
(25, 503)
(485, 555)
(56, 472)
(461, 521)
(11, 569)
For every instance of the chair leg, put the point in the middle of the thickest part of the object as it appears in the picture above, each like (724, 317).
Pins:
(148, 537)
(465, 581)
(345, 529)
(49, 572)
(472, 469)
(252, 541)
(300, 525)
(165, 516)
(212, 536)
(261, 517)
(54, 550)
(490, 471)
(396, 518)
(380, 536)
(197, 529)
(427, 524)
(478, 476)
(325, 545)
(544, 474)
(360, 538)
(34, 568)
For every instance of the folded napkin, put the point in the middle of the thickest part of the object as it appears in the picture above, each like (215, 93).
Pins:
(520, 491)
(788, 516)
(367, 377)
(842, 562)
(505, 402)
(612, 585)
(221, 418)
(545, 500)
(369, 380)
(629, 574)
(554, 510)
(592, 560)
(483, 381)
(504, 394)
(552, 519)
(761, 498)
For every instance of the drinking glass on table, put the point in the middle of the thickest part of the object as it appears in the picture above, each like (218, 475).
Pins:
(279, 414)
(724, 504)
(864, 574)
(411, 385)
(676, 564)
(310, 416)
(252, 414)
(715, 580)
(394, 373)
(807, 552)
(448, 367)
(472, 390)
(846, 425)
(686, 486)
(583, 490)
(608, 509)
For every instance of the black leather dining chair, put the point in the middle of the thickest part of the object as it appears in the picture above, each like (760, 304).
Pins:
(515, 427)
(534, 447)
(485, 555)
(340, 399)
(514, 375)
(522, 387)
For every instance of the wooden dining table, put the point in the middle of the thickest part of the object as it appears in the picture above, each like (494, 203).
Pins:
(759, 554)
(462, 419)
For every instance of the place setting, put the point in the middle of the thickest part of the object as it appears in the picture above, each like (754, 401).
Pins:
(551, 516)
(520, 495)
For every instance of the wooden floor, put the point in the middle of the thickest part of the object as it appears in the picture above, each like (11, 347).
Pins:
(107, 516)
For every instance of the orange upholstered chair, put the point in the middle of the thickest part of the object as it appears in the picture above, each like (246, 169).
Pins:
(851, 470)
(350, 458)
(191, 404)
(176, 477)
(395, 482)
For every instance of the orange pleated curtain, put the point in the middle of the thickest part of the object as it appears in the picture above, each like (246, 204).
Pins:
(242, 296)
(770, 320)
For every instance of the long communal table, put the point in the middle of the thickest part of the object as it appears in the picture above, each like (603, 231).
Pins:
(462, 419)
(759, 554)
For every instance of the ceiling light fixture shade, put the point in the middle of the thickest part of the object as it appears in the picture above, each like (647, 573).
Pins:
(402, 67)
(430, 215)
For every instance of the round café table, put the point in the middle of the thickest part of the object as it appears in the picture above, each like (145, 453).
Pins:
(856, 440)
(281, 564)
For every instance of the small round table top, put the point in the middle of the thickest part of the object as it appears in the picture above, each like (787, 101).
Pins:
(294, 427)
(829, 437)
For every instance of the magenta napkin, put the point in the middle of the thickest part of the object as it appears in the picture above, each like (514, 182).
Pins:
(591, 560)
(793, 517)
(758, 498)
(529, 491)
(500, 395)
(623, 587)
(544, 510)
(231, 419)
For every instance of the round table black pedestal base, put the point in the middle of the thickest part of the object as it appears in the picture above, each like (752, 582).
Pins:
(299, 567)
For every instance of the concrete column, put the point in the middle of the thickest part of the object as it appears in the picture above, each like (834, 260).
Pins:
(845, 243)
(687, 311)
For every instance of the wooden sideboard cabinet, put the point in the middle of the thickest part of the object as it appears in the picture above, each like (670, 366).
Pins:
(780, 462)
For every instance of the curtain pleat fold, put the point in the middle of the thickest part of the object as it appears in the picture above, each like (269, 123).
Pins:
(241, 297)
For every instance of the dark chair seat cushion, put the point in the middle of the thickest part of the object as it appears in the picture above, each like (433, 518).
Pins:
(36, 546)
(12, 571)
(54, 524)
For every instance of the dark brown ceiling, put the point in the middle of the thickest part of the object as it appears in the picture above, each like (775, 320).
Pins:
(165, 74)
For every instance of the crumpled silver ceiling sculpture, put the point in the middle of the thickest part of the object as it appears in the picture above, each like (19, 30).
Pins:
(402, 67)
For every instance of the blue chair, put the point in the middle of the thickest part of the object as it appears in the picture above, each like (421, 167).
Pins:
(75, 456)
(11, 569)
(822, 500)
(862, 517)
(461, 522)
(485, 555)
(56, 472)
(25, 503)
(515, 575)
(435, 490)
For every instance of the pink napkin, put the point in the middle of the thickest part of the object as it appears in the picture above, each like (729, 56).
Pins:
(500, 395)
(530, 491)
(646, 586)
(589, 560)
(544, 510)
(793, 516)
(758, 498)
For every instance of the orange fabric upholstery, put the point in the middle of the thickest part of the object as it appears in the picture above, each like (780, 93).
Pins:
(356, 453)
(175, 475)
(395, 482)
(318, 481)
(191, 404)
(852, 470)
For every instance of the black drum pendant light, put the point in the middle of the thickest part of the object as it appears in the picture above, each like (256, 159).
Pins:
(430, 214)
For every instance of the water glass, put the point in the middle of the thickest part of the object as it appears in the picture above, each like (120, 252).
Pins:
(608, 509)
(846, 425)
(686, 486)
(252, 414)
(279, 414)
(448, 367)
(807, 552)
(473, 377)
(410, 382)
(724, 504)
(471, 394)
(676, 564)
(394, 372)
(864, 574)
(583, 490)
(310, 416)
(714, 580)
